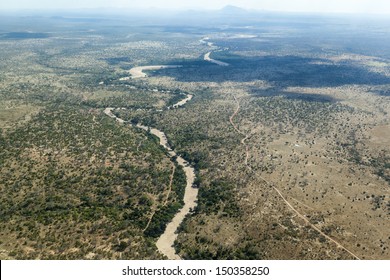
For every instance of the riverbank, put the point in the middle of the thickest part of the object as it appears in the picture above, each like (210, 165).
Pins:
(138, 72)
(218, 62)
(167, 239)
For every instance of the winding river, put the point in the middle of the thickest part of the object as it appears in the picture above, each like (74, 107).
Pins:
(167, 239)
(138, 72)
(207, 57)
(218, 62)
(181, 102)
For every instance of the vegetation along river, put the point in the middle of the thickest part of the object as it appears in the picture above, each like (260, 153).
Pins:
(167, 239)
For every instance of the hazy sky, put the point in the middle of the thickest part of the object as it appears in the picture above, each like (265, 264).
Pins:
(359, 6)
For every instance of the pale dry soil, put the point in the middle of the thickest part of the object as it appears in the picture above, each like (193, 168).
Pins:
(138, 72)
(218, 62)
(166, 240)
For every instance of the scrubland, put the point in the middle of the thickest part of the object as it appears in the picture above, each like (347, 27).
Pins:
(290, 142)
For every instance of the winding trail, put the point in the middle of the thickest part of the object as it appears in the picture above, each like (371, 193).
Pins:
(166, 241)
(307, 221)
(246, 136)
(303, 204)
(170, 185)
(166, 197)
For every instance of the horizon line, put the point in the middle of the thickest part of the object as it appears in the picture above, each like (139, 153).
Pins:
(106, 10)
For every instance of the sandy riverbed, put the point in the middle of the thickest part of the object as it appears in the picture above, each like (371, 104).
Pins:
(181, 102)
(137, 72)
(220, 63)
(167, 239)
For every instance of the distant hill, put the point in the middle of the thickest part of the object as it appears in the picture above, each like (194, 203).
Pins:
(232, 10)
(224, 15)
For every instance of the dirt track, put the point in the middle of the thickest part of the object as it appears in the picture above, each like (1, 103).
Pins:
(278, 191)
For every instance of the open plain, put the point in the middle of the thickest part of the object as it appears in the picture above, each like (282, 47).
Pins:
(281, 123)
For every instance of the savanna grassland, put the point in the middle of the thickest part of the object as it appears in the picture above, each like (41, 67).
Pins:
(289, 141)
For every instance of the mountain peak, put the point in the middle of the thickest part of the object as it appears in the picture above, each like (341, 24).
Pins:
(232, 9)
